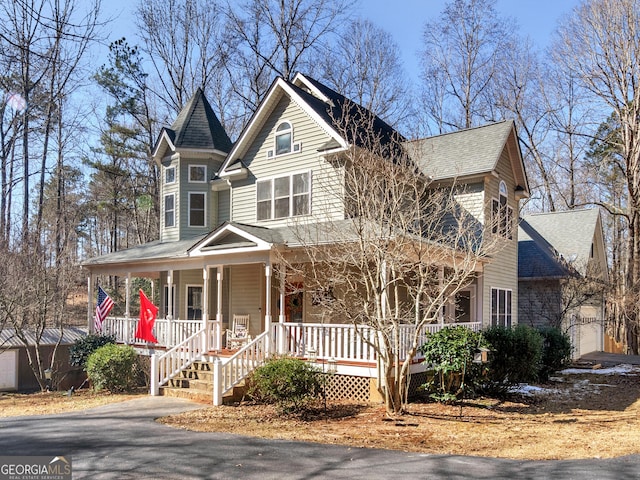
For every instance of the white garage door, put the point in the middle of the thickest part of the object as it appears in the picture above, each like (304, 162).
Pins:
(9, 370)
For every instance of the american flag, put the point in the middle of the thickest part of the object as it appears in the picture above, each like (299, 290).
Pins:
(103, 307)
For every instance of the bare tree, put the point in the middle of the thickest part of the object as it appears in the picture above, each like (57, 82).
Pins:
(404, 248)
(464, 51)
(365, 65)
(269, 37)
(182, 40)
(600, 45)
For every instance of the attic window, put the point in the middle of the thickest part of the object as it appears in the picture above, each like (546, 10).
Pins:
(197, 173)
(169, 175)
(284, 138)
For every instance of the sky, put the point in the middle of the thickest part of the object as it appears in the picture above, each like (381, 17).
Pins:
(404, 19)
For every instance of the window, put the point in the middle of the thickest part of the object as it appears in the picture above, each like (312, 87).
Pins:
(194, 302)
(500, 307)
(169, 175)
(197, 209)
(284, 138)
(170, 210)
(197, 173)
(502, 214)
(283, 197)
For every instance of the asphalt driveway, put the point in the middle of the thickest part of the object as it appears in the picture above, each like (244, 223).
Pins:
(122, 441)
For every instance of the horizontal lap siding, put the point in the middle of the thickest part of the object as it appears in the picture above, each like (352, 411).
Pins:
(502, 272)
(312, 137)
(245, 287)
(224, 206)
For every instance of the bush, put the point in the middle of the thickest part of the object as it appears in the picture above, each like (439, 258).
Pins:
(516, 355)
(450, 353)
(289, 383)
(113, 367)
(85, 346)
(556, 351)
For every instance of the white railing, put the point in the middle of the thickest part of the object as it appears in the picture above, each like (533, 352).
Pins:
(176, 359)
(231, 372)
(346, 343)
(168, 332)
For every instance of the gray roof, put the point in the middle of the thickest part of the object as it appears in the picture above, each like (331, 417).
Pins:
(465, 152)
(156, 250)
(548, 243)
(197, 126)
(50, 336)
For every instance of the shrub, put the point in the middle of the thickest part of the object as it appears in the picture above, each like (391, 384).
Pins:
(516, 355)
(556, 351)
(85, 346)
(113, 367)
(450, 353)
(289, 383)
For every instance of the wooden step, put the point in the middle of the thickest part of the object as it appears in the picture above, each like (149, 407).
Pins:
(196, 383)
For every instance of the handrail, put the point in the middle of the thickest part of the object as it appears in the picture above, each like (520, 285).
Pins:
(230, 373)
(173, 361)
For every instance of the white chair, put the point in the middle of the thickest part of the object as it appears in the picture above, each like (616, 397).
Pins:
(238, 335)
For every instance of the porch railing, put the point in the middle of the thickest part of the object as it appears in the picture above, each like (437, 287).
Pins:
(168, 332)
(229, 373)
(346, 343)
(176, 359)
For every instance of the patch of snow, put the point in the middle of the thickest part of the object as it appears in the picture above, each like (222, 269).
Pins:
(531, 390)
(623, 369)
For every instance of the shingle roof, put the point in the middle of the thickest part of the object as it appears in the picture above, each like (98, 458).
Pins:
(462, 153)
(340, 108)
(569, 234)
(197, 126)
(149, 251)
(50, 336)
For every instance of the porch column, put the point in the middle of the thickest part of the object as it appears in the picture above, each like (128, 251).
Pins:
(267, 304)
(281, 317)
(90, 326)
(219, 278)
(383, 299)
(169, 312)
(127, 295)
(205, 309)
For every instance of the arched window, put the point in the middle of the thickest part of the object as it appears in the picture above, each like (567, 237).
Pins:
(502, 213)
(284, 138)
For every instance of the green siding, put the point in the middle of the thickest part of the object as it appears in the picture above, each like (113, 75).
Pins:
(324, 176)
(246, 285)
(502, 272)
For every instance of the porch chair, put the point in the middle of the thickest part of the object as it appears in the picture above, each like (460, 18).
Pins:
(238, 335)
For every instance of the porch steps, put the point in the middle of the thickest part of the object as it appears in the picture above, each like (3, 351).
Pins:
(196, 383)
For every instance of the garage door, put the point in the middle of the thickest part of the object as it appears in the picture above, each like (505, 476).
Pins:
(9, 370)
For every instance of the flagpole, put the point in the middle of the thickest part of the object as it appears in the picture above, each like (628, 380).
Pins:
(90, 327)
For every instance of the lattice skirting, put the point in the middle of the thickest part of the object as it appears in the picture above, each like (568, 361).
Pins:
(348, 387)
(358, 389)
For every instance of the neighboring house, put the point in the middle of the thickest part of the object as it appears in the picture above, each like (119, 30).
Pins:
(15, 371)
(562, 268)
(227, 210)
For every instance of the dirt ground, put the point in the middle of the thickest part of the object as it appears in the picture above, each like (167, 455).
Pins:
(580, 415)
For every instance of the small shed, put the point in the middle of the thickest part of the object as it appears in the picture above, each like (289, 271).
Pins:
(15, 372)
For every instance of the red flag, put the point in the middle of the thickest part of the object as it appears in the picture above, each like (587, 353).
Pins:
(148, 313)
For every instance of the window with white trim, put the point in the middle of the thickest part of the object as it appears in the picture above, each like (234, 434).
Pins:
(284, 138)
(169, 175)
(502, 213)
(197, 173)
(501, 307)
(282, 197)
(197, 209)
(170, 210)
